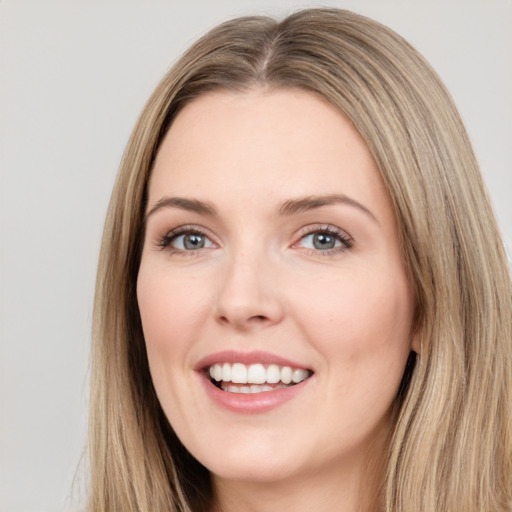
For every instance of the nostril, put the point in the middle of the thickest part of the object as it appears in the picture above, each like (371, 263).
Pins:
(243, 313)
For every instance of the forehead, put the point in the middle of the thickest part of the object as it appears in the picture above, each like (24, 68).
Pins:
(269, 142)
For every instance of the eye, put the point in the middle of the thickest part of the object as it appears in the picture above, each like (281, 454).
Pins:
(326, 239)
(190, 242)
(320, 241)
(186, 240)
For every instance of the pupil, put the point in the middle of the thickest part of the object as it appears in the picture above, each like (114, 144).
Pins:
(323, 241)
(193, 242)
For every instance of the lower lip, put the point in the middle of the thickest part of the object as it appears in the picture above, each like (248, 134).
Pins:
(252, 403)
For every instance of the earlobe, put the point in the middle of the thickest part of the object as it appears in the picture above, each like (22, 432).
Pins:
(417, 330)
(416, 339)
(416, 345)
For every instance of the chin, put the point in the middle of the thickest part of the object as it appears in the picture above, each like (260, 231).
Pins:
(249, 465)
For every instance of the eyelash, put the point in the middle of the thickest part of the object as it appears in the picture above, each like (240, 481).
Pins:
(171, 236)
(336, 233)
(346, 241)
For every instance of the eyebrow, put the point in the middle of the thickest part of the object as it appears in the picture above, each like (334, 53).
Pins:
(183, 203)
(290, 207)
(303, 204)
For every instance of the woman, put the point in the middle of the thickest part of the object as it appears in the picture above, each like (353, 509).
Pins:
(302, 296)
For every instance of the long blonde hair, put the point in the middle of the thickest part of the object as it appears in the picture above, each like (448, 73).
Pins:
(451, 446)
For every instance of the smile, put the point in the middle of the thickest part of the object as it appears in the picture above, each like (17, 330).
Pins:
(255, 378)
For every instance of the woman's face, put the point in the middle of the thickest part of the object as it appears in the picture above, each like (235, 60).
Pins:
(271, 256)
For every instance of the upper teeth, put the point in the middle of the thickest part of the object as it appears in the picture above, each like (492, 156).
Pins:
(239, 373)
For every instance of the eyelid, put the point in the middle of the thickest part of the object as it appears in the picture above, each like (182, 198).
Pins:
(345, 239)
(163, 242)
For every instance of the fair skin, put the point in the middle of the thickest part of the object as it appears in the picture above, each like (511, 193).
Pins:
(240, 265)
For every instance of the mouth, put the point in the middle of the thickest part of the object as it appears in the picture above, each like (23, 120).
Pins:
(255, 378)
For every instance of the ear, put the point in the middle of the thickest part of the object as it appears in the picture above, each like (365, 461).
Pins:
(416, 339)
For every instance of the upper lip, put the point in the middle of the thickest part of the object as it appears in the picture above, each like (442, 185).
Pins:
(233, 356)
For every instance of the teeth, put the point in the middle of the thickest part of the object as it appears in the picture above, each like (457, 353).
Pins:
(256, 375)
(226, 372)
(286, 375)
(252, 388)
(273, 374)
(238, 373)
(299, 375)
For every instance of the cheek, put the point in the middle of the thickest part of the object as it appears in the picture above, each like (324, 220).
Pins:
(171, 312)
(363, 322)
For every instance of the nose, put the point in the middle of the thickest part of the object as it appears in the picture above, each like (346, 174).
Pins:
(248, 296)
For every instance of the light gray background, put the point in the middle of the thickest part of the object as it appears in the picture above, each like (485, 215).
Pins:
(73, 78)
